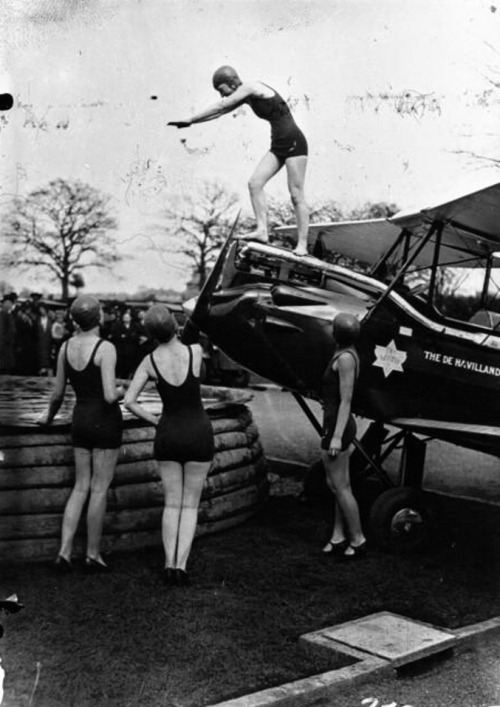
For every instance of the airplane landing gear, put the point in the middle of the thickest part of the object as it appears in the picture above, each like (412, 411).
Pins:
(401, 520)
(396, 513)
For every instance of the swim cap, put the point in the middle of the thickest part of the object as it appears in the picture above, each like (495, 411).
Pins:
(346, 329)
(225, 74)
(86, 312)
(160, 323)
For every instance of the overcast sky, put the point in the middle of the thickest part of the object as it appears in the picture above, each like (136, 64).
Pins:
(387, 92)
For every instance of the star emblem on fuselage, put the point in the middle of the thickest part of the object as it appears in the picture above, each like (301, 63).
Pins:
(389, 359)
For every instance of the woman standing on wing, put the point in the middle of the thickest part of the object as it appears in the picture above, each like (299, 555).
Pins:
(288, 146)
(88, 362)
(339, 430)
(184, 442)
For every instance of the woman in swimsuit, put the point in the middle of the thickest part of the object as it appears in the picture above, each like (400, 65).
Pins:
(339, 430)
(288, 146)
(88, 362)
(184, 442)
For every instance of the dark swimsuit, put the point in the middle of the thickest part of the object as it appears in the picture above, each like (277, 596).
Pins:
(331, 404)
(287, 140)
(96, 423)
(184, 432)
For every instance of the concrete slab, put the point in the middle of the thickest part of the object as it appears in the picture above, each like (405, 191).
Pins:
(323, 686)
(392, 637)
(365, 667)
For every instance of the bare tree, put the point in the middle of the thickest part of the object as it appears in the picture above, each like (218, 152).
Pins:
(77, 281)
(61, 228)
(200, 223)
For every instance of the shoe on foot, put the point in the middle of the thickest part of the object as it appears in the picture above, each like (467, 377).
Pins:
(168, 576)
(335, 549)
(93, 566)
(182, 578)
(355, 552)
(62, 565)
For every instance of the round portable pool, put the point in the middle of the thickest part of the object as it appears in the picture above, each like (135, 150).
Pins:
(36, 472)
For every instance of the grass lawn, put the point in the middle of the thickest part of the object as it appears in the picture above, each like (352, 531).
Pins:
(124, 639)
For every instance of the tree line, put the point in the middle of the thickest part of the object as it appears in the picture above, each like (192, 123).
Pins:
(67, 226)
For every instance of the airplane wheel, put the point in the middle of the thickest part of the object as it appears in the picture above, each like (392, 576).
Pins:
(400, 520)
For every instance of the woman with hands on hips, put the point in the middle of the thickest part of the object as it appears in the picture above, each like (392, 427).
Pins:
(89, 363)
(339, 430)
(184, 442)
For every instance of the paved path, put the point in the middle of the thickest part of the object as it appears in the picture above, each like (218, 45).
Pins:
(286, 433)
(469, 677)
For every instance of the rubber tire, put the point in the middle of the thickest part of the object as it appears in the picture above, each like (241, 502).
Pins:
(383, 515)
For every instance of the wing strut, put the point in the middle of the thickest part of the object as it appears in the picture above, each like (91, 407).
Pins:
(313, 420)
(434, 227)
(385, 257)
(308, 412)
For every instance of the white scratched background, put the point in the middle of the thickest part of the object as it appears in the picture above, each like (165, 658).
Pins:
(397, 98)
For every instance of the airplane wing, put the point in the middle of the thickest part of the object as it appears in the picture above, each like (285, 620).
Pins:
(482, 438)
(365, 240)
(471, 231)
(476, 214)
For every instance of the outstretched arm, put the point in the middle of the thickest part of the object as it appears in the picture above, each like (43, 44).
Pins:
(216, 110)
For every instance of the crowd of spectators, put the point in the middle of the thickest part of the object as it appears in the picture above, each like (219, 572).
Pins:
(32, 331)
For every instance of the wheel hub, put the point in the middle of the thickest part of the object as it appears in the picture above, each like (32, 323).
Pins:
(406, 521)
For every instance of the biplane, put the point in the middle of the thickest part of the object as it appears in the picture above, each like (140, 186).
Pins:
(430, 366)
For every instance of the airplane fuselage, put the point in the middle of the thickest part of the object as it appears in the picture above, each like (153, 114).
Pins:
(276, 321)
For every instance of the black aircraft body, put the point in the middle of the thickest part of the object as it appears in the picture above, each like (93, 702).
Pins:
(430, 365)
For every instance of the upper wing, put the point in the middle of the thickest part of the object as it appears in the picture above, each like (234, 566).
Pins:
(365, 240)
(476, 214)
(471, 229)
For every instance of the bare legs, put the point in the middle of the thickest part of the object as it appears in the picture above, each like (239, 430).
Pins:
(104, 463)
(346, 506)
(265, 170)
(76, 501)
(296, 172)
(93, 474)
(172, 477)
(182, 486)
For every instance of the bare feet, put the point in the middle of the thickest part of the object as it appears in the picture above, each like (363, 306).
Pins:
(301, 249)
(259, 236)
